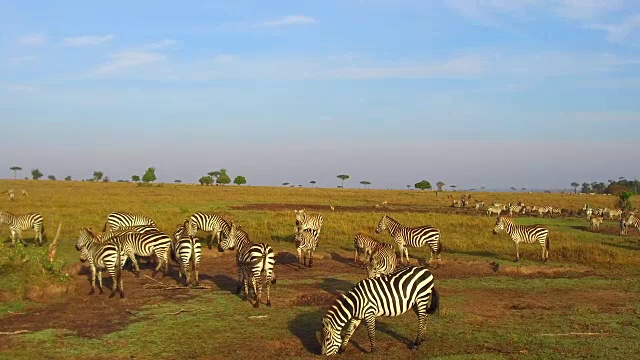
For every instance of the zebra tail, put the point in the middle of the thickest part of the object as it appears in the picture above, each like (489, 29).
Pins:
(104, 227)
(264, 266)
(116, 281)
(546, 243)
(435, 302)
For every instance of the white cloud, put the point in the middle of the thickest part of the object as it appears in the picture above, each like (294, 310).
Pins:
(32, 39)
(453, 68)
(619, 33)
(21, 89)
(223, 58)
(126, 59)
(21, 60)
(87, 40)
(288, 20)
(586, 9)
(162, 44)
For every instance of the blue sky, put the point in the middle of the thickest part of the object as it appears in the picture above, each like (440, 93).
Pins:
(494, 93)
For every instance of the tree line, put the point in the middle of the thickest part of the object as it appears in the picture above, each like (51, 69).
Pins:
(613, 187)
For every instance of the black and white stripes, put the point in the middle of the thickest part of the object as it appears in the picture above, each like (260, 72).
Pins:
(308, 221)
(121, 220)
(19, 223)
(525, 234)
(388, 295)
(101, 256)
(306, 243)
(412, 237)
(208, 222)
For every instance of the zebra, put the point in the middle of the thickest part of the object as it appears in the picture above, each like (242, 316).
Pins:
(494, 210)
(515, 208)
(306, 242)
(12, 197)
(25, 192)
(543, 210)
(615, 212)
(595, 222)
(149, 243)
(388, 295)
(119, 220)
(19, 223)
(252, 260)
(525, 234)
(412, 237)
(187, 252)
(382, 260)
(362, 244)
(630, 220)
(101, 256)
(218, 225)
(310, 221)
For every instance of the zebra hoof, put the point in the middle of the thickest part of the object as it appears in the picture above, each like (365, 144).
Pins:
(256, 305)
(92, 292)
(113, 293)
(269, 303)
(122, 295)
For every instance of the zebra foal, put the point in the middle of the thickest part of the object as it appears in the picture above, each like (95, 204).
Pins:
(382, 260)
(306, 244)
(362, 244)
(101, 256)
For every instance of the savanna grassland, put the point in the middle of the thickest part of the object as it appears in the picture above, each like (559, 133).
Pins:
(583, 303)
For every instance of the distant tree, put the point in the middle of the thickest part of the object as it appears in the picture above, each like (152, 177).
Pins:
(313, 183)
(223, 178)
(343, 177)
(106, 179)
(586, 188)
(299, 185)
(206, 180)
(177, 181)
(51, 177)
(422, 185)
(285, 183)
(36, 174)
(149, 175)
(365, 183)
(15, 170)
(513, 188)
(408, 187)
(575, 187)
(67, 178)
(482, 187)
(453, 187)
(624, 200)
(339, 187)
(97, 175)
(215, 174)
(239, 180)
(440, 184)
(135, 178)
(523, 189)
(621, 178)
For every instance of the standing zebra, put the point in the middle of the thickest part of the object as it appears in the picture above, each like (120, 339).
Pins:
(388, 295)
(515, 208)
(19, 223)
(308, 221)
(363, 244)
(101, 256)
(543, 210)
(412, 237)
(627, 221)
(252, 260)
(382, 260)
(494, 210)
(149, 243)
(187, 252)
(595, 222)
(615, 212)
(525, 234)
(120, 220)
(218, 225)
(306, 244)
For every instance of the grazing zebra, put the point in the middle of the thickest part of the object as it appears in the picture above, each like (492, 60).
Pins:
(455, 203)
(306, 243)
(382, 260)
(25, 192)
(187, 252)
(388, 295)
(479, 204)
(515, 208)
(217, 224)
(595, 222)
(19, 223)
(556, 211)
(363, 244)
(12, 197)
(412, 237)
(630, 220)
(524, 234)
(148, 243)
(615, 212)
(120, 220)
(310, 221)
(543, 210)
(494, 210)
(101, 256)
(252, 260)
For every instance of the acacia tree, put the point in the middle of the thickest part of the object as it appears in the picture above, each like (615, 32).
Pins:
(239, 180)
(149, 175)
(67, 178)
(365, 183)
(513, 188)
(422, 185)
(313, 183)
(206, 180)
(177, 181)
(285, 183)
(343, 177)
(440, 184)
(135, 178)
(575, 187)
(97, 175)
(15, 170)
(214, 174)
(51, 177)
(453, 187)
(408, 187)
(36, 174)
(223, 178)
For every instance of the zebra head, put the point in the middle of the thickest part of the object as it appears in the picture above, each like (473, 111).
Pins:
(191, 227)
(331, 338)
(500, 225)
(382, 224)
(373, 267)
(229, 242)
(3, 217)
(84, 239)
(300, 215)
(298, 237)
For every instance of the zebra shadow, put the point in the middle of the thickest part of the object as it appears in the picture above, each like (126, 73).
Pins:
(336, 286)
(307, 327)
(284, 238)
(223, 282)
(341, 259)
(386, 329)
(287, 259)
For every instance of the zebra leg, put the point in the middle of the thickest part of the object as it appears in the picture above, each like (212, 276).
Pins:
(355, 258)
(406, 253)
(195, 270)
(371, 329)
(134, 262)
(310, 258)
(300, 258)
(268, 280)
(93, 280)
(241, 280)
(353, 325)
(420, 310)
(100, 281)
(517, 252)
(258, 290)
